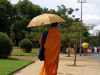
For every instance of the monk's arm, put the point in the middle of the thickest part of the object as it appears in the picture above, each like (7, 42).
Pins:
(40, 41)
(59, 49)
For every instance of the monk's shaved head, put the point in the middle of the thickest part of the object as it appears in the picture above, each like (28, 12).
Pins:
(54, 24)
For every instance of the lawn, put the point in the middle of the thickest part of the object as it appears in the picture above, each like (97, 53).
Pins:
(21, 53)
(7, 66)
(16, 47)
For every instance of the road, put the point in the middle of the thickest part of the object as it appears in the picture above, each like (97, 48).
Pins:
(95, 56)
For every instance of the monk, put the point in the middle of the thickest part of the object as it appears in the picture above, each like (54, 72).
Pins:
(74, 49)
(40, 41)
(86, 52)
(52, 50)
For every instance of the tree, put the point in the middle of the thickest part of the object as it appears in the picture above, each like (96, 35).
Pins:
(62, 12)
(93, 41)
(89, 39)
(6, 16)
(75, 34)
(44, 10)
(25, 11)
(5, 45)
(26, 45)
(36, 33)
(63, 29)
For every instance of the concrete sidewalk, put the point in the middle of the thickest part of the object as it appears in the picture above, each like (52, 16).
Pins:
(84, 66)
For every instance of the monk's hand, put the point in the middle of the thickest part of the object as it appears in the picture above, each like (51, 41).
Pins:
(57, 63)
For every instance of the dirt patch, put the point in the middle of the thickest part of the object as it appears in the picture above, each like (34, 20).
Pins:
(16, 50)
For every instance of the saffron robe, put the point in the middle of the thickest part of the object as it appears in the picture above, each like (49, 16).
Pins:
(51, 53)
(40, 41)
(74, 48)
(85, 49)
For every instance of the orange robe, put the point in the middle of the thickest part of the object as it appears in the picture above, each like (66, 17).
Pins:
(74, 48)
(40, 41)
(51, 53)
(85, 49)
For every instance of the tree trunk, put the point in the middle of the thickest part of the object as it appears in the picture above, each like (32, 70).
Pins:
(8, 32)
(68, 53)
(75, 55)
(16, 39)
(24, 49)
(64, 48)
(76, 50)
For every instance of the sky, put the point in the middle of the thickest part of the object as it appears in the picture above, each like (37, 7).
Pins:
(90, 10)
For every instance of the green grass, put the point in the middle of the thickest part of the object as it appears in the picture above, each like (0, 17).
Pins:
(16, 47)
(21, 53)
(10, 65)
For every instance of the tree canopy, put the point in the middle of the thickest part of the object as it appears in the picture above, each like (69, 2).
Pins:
(25, 11)
(6, 16)
(17, 17)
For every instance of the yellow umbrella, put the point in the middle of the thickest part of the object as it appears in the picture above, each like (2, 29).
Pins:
(85, 45)
(45, 19)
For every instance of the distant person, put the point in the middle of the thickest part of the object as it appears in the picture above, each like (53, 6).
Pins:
(92, 49)
(51, 51)
(86, 51)
(74, 47)
(97, 49)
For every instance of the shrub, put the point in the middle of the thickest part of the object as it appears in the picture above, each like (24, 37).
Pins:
(6, 45)
(26, 44)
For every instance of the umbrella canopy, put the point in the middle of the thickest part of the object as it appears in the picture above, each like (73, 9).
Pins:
(85, 45)
(45, 19)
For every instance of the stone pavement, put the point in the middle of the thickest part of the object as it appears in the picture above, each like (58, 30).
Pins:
(84, 66)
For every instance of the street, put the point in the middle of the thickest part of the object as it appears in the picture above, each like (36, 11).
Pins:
(95, 56)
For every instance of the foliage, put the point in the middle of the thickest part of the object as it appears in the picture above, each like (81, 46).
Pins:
(65, 28)
(70, 33)
(21, 14)
(21, 53)
(6, 16)
(26, 44)
(36, 32)
(5, 45)
(98, 39)
(94, 40)
(8, 66)
(25, 11)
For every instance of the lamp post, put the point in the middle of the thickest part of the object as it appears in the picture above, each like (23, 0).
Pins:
(81, 20)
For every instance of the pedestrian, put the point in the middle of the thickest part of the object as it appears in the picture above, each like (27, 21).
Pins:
(74, 47)
(51, 51)
(85, 50)
(69, 50)
(92, 49)
(97, 49)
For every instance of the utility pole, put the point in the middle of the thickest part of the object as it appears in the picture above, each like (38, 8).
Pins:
(81, 21)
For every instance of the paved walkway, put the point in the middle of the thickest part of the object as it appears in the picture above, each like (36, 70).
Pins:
(84, 66)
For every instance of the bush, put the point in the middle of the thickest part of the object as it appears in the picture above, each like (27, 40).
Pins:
(26, 44)
(6, 45)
